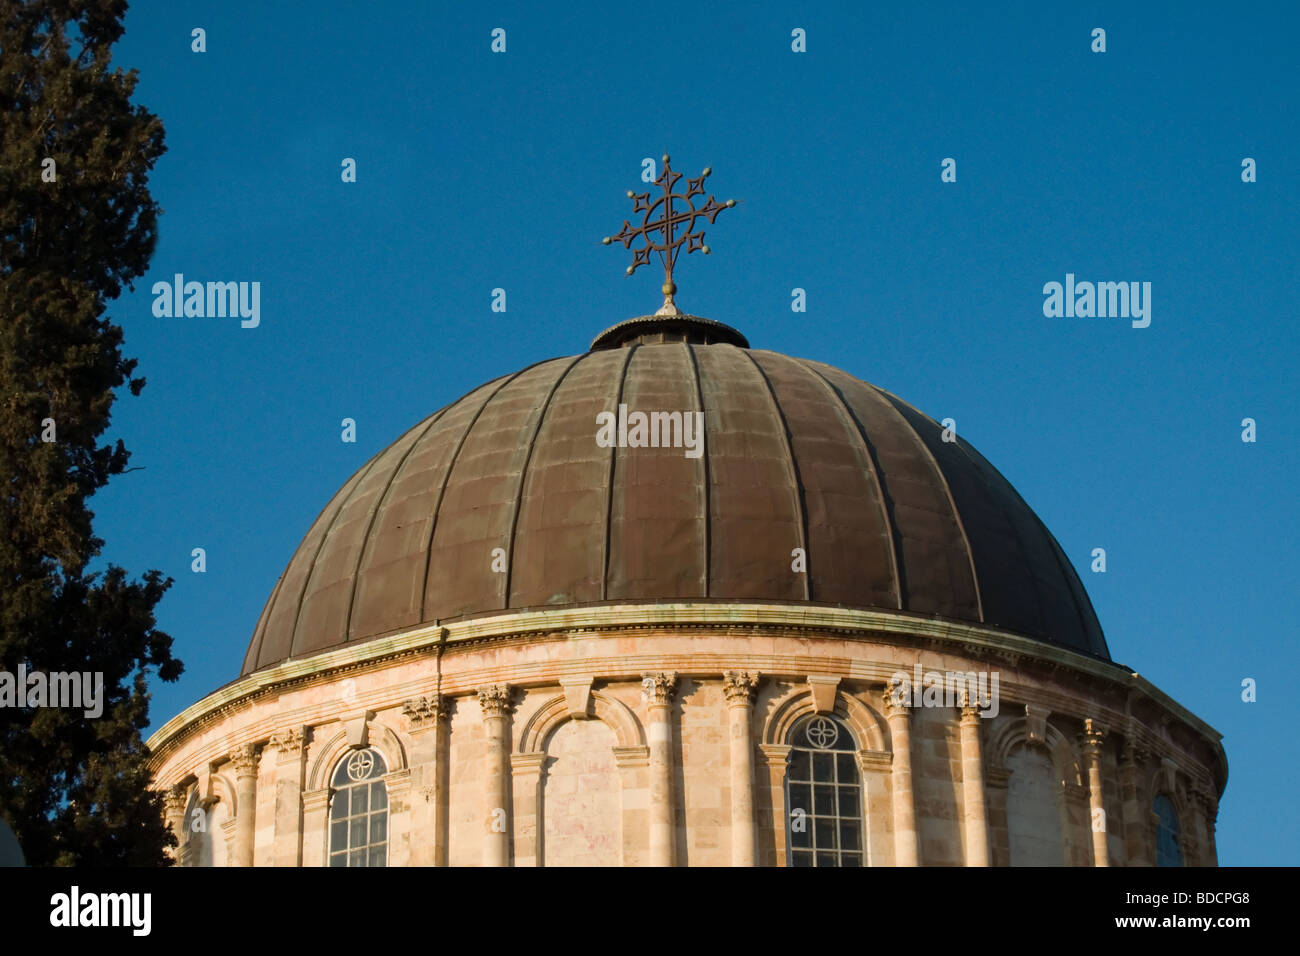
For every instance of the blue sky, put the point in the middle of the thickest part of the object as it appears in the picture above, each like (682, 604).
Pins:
(479, 170)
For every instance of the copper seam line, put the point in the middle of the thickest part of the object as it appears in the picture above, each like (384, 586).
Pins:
(523, 473)
(1067, 571)
(1043, 603)
(708, 516)
(794, 475)
(360, 477)
(374, 513)
(884, 397)
(886, 501)
(446, 476)
(609, 490)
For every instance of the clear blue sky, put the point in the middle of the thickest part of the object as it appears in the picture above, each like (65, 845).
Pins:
(478, 171)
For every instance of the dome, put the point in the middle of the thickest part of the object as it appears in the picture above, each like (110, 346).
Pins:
(797, 454)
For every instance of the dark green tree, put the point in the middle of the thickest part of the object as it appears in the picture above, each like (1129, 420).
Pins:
(72, 233)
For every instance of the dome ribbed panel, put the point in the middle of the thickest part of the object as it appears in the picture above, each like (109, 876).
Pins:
(390, 579)
(935, 570)
(322, 617)
(850, 550)
(559, 554)
(478, 506)
(755, 516)
(657, 516)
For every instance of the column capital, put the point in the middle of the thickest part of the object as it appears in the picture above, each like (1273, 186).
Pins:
(1134, 754)
(245, 759)
(659, 688)
(1091, 738)
(494, 700)
(424, 712)
(175, 800)
(898, 697)
(739, 687)
(289, 742)
(969, 707)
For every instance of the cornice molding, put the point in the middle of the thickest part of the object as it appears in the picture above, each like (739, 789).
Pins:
(616, 619)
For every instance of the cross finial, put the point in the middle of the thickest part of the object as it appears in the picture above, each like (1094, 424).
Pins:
(678, 210)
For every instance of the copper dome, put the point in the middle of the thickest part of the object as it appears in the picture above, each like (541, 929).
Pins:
(798, 454)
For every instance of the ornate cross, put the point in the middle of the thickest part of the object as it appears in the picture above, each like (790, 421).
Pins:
(675, 225)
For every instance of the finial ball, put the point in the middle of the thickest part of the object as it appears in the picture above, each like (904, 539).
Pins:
(731, 202)
(605, 241)
(708, 171)
(630, 194)
(670, 288)
(704, 249)
(629, 270)
(665, 157)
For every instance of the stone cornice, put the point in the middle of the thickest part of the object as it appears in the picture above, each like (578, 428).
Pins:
(612, 619)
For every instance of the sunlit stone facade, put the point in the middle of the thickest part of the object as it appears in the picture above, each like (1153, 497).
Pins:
(661, 735)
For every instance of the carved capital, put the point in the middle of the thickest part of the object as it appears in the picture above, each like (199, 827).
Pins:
(1133, 755)
(897, 698)
(739, 686)
(424, 712)
(494, 700)
(245, 760)
(1091, 739)
(659, 688)
(175, 800)
(1206, 803)
(969, 706)
(289, 742)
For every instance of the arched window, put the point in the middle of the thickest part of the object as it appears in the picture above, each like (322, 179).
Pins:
(1169, 847)
(359, 811)
(823, 795)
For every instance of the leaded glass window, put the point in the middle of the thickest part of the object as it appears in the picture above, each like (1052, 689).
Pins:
(1169, 847)
(359, 811)
(823, 795)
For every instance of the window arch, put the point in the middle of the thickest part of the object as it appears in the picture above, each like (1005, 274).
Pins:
(823, 795)
(1169, 846)
(359, 810)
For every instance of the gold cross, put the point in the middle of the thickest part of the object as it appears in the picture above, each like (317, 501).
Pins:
(665, 227)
